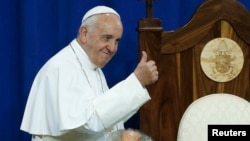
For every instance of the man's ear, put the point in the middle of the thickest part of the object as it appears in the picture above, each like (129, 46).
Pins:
(83, 34)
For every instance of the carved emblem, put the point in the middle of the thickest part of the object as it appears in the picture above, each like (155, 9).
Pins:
(222, 59)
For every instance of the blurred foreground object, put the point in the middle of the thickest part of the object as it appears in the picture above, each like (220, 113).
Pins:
(128, 135)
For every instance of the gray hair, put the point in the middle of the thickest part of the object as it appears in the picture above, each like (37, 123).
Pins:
(90, 23)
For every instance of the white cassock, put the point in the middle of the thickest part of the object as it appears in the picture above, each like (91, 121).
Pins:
(70, 100)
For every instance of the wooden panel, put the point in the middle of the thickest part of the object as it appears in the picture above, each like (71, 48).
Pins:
(177, 55)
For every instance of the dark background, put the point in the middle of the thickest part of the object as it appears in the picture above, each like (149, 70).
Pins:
(31, 31)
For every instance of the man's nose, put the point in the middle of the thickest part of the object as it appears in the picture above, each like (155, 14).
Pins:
(112, 46)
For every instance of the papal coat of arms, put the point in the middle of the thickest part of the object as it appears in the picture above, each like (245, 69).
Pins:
(222, 59)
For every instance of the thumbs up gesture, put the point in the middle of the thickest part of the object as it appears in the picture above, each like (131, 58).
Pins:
(146, 71)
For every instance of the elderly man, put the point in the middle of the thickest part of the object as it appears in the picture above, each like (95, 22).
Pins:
(70, 100)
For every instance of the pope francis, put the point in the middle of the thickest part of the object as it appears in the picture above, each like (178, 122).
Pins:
(69, 99)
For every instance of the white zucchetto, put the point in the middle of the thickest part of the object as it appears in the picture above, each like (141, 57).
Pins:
(99, 10)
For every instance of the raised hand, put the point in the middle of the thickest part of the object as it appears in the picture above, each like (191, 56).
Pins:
(146, 71)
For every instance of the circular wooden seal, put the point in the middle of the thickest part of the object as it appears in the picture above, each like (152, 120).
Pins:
(222, 59)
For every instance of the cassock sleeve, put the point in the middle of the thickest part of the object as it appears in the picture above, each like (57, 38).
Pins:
(121, 101)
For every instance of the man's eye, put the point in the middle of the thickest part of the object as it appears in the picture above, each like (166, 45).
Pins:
(106, 38)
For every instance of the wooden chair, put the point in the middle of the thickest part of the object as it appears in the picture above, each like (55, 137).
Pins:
(178, 55)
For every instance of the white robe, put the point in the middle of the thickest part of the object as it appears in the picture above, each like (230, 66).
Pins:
(67, 102)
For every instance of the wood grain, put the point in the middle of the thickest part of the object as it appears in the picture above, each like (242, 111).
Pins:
(177, 55)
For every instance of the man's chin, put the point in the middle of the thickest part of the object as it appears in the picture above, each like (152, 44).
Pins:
(103, 64)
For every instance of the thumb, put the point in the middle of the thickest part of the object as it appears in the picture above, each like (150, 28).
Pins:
(144, 57)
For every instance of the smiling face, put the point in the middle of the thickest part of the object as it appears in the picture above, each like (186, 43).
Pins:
(100, 38)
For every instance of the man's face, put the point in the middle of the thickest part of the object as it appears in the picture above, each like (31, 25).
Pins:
(101, 42)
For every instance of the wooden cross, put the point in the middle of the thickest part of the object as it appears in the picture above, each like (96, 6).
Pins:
(149, 8)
